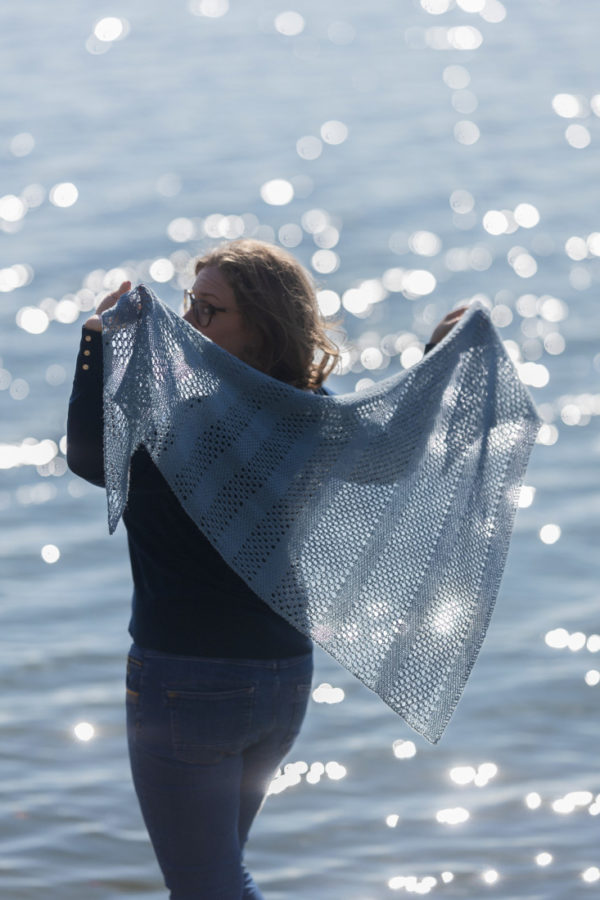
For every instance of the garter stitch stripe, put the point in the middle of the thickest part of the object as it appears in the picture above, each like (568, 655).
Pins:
(377, 522)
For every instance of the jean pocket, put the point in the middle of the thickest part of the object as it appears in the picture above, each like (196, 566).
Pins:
(300, 700)
(133, 680)
(207, 725)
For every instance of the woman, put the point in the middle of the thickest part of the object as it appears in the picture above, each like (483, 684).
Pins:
(217, 683)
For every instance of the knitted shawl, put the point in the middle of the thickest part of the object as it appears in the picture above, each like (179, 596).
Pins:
(377, 522)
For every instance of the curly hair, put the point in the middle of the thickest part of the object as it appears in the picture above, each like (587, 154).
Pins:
(276, 296)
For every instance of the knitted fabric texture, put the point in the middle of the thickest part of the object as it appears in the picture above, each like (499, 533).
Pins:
(376, 522)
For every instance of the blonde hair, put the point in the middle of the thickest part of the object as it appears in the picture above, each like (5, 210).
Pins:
(276, 297)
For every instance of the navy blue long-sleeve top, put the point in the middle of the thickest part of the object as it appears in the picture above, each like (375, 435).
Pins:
(186, 599)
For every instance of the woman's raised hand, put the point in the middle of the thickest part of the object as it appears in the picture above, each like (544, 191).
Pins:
(94, 323)
(448, 322)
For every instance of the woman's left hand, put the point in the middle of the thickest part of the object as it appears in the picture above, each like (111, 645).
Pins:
(448, 322)
(94, 323)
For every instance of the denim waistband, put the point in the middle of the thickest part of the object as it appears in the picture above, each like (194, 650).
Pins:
(285, 662)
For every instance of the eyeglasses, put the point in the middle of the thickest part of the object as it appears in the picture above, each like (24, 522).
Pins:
(202, 311)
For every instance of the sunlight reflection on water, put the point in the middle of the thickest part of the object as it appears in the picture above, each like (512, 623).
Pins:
(414, 171)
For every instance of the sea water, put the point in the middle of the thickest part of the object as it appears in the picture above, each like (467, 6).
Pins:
(413, 155)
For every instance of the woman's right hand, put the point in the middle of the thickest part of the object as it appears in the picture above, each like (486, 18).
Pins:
(94, 323)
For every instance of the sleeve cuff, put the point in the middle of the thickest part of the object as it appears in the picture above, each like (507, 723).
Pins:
(90, 349)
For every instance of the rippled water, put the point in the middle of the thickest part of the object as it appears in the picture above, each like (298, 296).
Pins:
(414, 155)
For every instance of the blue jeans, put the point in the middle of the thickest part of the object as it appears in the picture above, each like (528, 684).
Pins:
(205, 738)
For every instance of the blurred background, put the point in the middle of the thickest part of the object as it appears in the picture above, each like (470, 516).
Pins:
(414, 155)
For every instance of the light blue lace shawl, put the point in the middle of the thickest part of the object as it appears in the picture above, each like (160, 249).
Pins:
(376, 522)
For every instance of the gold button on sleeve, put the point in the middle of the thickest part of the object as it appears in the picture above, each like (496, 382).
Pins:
(87, 352)
(85, 366)
(88, 337)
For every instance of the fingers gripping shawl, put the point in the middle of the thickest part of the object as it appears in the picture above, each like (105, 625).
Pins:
(376, 522)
